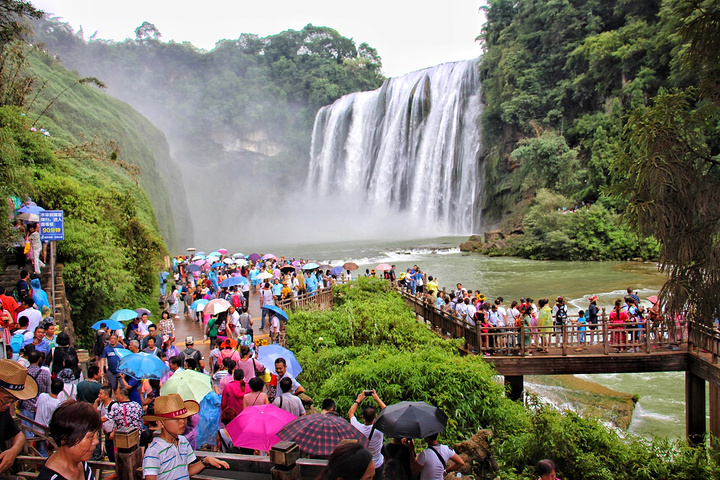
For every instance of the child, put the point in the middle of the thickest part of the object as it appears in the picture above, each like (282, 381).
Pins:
(170, 455)
(581, 326)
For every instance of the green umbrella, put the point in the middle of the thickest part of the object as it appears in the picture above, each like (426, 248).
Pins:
(189, 384)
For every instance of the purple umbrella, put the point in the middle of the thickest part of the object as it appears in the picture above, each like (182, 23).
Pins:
(269, 256)
(254, 257)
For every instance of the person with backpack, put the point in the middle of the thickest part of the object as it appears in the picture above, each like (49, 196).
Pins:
(432, 463)
(20, 335)
(102, 338)
(398, 456)
(560, 314)
(190, 352)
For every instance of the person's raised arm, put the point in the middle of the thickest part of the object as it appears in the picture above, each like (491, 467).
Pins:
(7, 458)
(377, 399)
(354, 406)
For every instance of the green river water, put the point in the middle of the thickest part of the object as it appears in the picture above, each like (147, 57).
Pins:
(660, 411)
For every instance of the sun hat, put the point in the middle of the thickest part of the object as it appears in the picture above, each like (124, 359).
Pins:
(560, 300)
(228, 343)
(189, 340)
(593, 298)
(15, 380)
(172, 406)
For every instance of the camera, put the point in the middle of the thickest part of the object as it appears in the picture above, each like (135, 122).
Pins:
(368, 393)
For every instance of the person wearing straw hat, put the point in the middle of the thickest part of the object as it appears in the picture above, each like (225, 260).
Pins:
(170, 456)
(15, 384)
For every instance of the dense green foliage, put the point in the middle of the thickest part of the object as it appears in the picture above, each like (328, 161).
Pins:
(93, 165)
(555, 229)
(559, 79)
(372, 340)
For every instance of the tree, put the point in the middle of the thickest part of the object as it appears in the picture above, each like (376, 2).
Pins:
(147, 32)
(12, 16)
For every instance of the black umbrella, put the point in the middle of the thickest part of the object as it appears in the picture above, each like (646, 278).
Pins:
(411, 420)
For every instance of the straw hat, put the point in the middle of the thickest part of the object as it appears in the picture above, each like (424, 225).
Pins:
(171, 407)
(15, 380)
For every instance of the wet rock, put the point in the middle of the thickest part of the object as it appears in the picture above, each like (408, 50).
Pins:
(476, 454)
(494, 235)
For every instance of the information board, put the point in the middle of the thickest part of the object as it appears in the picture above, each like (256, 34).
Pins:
(52, 225)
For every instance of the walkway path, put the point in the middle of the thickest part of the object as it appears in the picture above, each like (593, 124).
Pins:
(185, 327)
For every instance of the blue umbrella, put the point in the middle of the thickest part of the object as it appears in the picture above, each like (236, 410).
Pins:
(199, 253)
(199, 303)
(142, 366)
(336, 271)
(215, 254)
(277, 310)
(122, 352)
(193, 268)
(124, 315)
(268, 354)
(217, 265)
(233, 281)
(310, 266)
(31, 209)
(111, 325)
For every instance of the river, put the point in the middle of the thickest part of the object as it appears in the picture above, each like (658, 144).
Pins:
(660, 411)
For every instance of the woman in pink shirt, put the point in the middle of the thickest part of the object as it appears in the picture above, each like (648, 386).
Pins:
(234, 392)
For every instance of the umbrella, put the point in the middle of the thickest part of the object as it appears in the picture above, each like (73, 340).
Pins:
(228, 260)
(189, 384)
(140, 311)
(217, 265)
(200, 253)
(319, 434)
(233, 281)
(216, 306)
(254, 257)
(241, 261)
(383, 267)
(269, 256)
(265, 275)
(191, 249)
(411, 420)
(193, 268)
(287, 268)
(256, 427)
(276, 310)
(143, 365)
(198, 305)
(200, 263)
(325, 266)
(30, 213)
(123, 315)
(122, 352)
(238, 255)
(215, 254)
(310, 266)
(111, 325)
(212, 258)
(653, 299)
(269, 353)
(336, 271)
(223, 251)
(198, 257)
(350, 266)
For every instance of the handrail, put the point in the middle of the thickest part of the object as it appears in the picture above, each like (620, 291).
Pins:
(523, 340)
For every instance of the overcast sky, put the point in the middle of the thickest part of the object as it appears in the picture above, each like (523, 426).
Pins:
(408, 35)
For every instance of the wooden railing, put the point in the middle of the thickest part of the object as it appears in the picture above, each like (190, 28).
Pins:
(704, 338)
(323, 298)
(602, 337)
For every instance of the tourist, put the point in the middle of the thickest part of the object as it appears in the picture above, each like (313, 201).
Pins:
(143, 327)
(223, 372)
(88, 390)
(432, 463)
(256, 396)
(71, 375)
(234, 392)
(349, 461)
(592, 317)
(42, 378)
(125, 413)
(74, 427)
(560, 314)
(151, 348)
(581, 326)
(33, 315)
(247, 364)
(544, 325)
(174, 306)
(266, 298)
(170, 455)
(104, 403)
(287, 401)
(18, 385)
(328, 407)
(35, 247)
(375, 437)
(110, 360)
(227, 350)
(281, 370)
(193, 354)
(618, 318)
(167, 325)
(398, 456)
(546, 470)
(38, 341)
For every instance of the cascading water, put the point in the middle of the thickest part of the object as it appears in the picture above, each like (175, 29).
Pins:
(411, 146)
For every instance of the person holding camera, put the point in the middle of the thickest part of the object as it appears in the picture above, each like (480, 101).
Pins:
(375, 437)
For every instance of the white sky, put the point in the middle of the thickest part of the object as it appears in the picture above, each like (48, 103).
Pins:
(409, 35)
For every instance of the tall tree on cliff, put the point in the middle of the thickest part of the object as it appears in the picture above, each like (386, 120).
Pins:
(669, 171)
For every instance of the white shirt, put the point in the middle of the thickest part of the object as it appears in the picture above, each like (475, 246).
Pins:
(432, 466)
(34, 318)
(143, 328)
(46, 405)
(502, 316)
(376, 441)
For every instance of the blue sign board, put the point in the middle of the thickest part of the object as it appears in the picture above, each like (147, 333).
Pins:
(51, 225)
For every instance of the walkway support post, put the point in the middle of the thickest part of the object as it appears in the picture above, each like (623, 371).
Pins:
(714, 398)
(515, 384)
(694, 408)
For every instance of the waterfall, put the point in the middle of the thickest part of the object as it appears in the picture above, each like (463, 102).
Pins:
(412, 146)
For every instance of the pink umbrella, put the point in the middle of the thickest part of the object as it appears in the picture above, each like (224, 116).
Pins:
(653, 299)
(200, 262)
(256, 427)
(222, 250)
(216, 306)
(383, 267)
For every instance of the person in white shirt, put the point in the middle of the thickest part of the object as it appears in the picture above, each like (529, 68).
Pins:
(502, 323)
(287, 401)
(366, 428)
(431, 464)
(469, 311)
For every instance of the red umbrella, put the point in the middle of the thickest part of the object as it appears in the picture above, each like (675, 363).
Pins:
(257, 426)
(350, 266)
(319, 434)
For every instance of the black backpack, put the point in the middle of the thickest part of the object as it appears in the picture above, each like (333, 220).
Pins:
(561, 315)
(101, 340)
